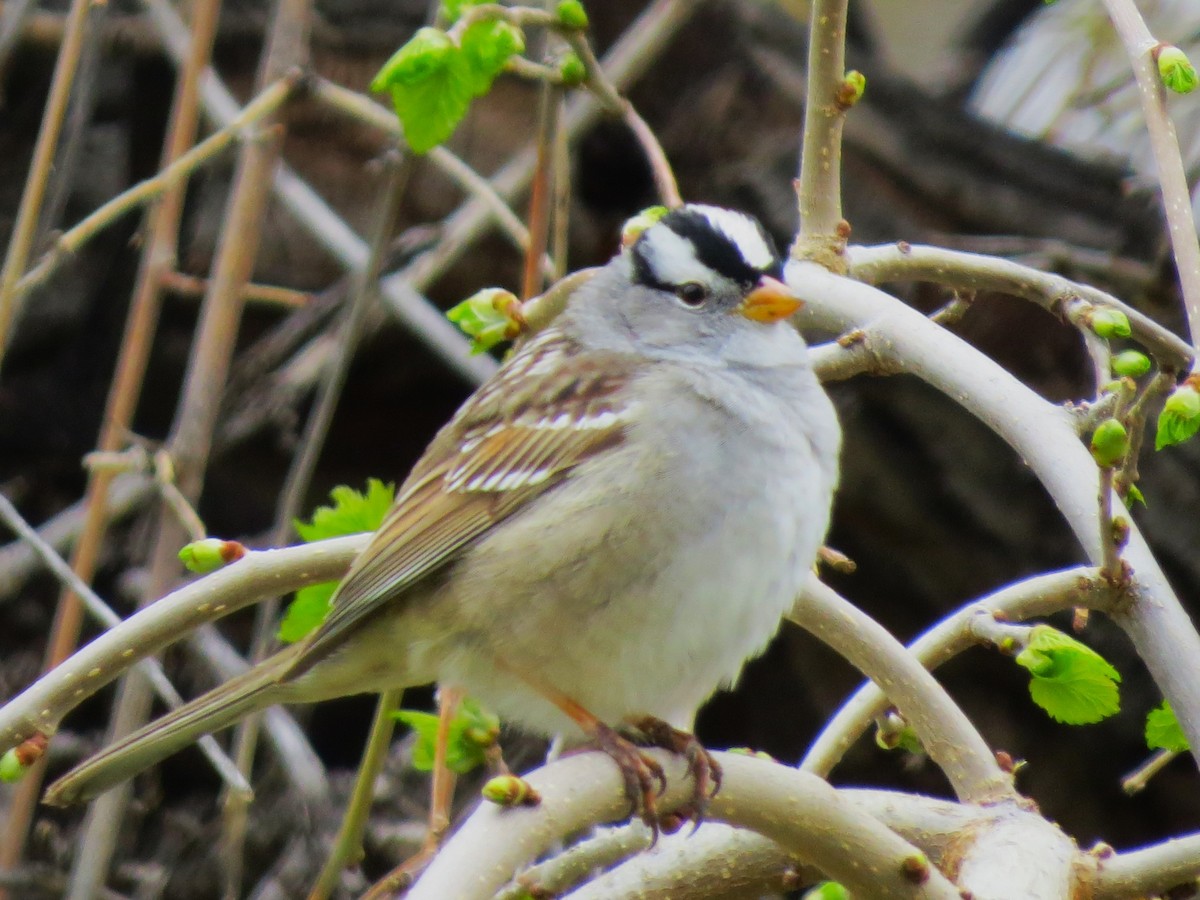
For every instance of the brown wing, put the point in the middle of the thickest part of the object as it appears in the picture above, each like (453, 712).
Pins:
(544, 412)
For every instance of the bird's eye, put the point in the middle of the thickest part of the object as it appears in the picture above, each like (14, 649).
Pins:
(693, 293)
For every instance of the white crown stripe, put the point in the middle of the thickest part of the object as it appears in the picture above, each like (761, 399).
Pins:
(743, 231)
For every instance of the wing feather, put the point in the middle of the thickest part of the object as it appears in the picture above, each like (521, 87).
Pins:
(549, 408)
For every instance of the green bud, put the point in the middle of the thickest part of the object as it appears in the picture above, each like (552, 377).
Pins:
(915, 868)
(1180, 418)
(1175, 69)
(427, 53)
(1109, 323)
(1134, 495)
(1110, 442)
(571, 14)
(633, 228)
(571, 70)
(488, 317)
(827, 890)
(210, 554)
(510, 790)
(11, 769)
(854, 85)
(750, 751)
(1130, 363)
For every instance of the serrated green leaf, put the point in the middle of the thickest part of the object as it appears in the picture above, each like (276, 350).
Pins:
(351, 512)
(486, 47)
(306, 612)
(430, 82)
(472, 731)
(1163, 731)
(1073, 683)
(1133, 496)
(1179, 419)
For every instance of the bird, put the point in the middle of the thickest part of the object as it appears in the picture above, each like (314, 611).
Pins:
(602, 535)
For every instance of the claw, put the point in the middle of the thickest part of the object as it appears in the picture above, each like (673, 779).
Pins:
(639, 773)
(702, 766)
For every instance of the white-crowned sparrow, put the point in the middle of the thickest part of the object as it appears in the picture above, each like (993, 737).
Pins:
(604, 533)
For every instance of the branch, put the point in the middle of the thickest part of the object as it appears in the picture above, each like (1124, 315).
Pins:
(798, 811)
(1043, 435)
(1150, 871)
(947, 734)
(973, 271)
(823, 234)
(1164, 144)
(1039, 596)
(257, 575)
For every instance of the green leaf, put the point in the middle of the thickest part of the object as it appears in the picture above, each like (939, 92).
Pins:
(1176, 70)
(1134, 495)
(351, 513)
(1073, 683)
(1163, 731)
(430, 81)
(486, 47)
(306, 612)
(1180, 417)
(473, 730)
(904, 738)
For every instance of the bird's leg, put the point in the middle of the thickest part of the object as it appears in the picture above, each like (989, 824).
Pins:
(702, 765)
(442, 788)
(639, 772)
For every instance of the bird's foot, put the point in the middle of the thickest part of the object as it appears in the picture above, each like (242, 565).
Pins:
(702, 765)
(639, 771)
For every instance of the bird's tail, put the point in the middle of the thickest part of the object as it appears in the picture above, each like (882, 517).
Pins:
(255, 689)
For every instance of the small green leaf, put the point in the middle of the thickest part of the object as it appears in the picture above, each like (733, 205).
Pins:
(486, 47)
(1110, 443)
(854, 85)
(1180, 417)
(473, 730)
(1163, 731)
(1134, 495)
(488, 317)
(827, 890)
(431, 83)
(633, 228)
(571, 14)
(1131, 363)
(1176, 70)
(904, 738)
(11, 770)
(350, 513)
(1109, 323)
(1072, 682)
(308, 609)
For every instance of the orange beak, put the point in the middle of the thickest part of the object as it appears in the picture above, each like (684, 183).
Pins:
(770, 301)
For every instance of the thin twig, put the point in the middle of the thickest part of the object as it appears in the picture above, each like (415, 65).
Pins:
(102, 612)
(191, 433)
(298, 481)
(347, 847)
(1164, 144)
(951, 740)
(819, 190)
(29, 211)
(69, 242)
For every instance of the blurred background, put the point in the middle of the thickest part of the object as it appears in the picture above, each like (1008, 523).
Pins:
(1002, 126)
